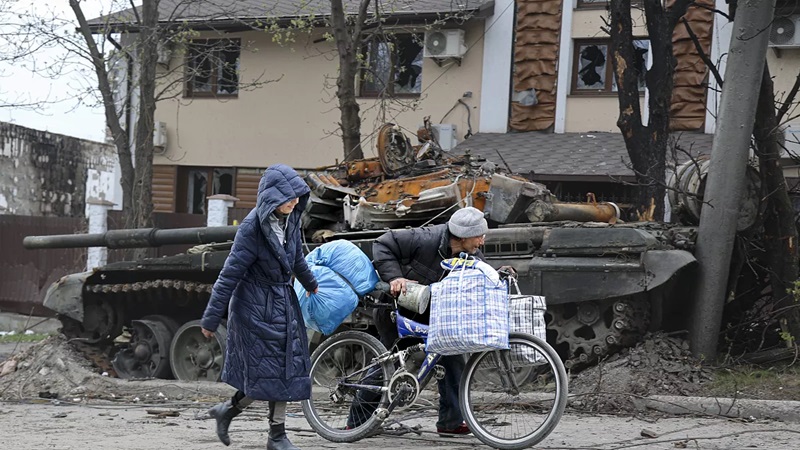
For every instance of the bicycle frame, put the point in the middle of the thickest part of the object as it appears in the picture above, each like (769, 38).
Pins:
(405, 328)
(410, 328)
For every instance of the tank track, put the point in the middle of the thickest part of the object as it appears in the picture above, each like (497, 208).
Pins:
(589, 331)
(97, 355)
(584, 332)
(140, 286)
(100, 352)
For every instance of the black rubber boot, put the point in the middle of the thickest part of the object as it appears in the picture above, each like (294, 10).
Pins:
(278, 439)
(224, 413)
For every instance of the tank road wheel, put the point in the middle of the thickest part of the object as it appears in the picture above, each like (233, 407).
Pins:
(193, 357)
(147, 353)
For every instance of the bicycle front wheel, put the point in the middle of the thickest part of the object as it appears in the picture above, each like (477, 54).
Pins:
(347, 386)
(507, 412)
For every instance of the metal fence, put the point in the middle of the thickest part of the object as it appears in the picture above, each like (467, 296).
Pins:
(26, 274)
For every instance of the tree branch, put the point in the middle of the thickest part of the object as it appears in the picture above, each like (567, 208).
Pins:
(787, 102)
(702, 53)
(677, 11)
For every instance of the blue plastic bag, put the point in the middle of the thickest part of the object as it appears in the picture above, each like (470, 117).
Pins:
(343, 273)
(347, 260)
(327, 309)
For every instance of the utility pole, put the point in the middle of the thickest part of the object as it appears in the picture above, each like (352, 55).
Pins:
(726, 174)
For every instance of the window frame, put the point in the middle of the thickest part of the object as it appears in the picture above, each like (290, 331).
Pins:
(583, 4)
(602, 4)
(182, 185)
(609, 79)
(189, 77)
(363, 70)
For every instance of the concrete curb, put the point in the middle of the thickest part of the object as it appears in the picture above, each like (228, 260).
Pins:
(785, 411)
(16, 322)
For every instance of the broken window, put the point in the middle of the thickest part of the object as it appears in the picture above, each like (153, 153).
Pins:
(587, 4)
(599, 4)
(196, 184)
(392, 65)
(593, 69)
(212, 68)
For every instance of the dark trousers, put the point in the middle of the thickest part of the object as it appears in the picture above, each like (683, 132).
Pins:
(365, 403)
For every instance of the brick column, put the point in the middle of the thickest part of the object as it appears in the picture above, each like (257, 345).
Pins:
(97, 213)
(218, 209)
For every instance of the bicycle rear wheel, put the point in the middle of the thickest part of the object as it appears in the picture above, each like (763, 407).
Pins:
(338, 411)
(507, 418)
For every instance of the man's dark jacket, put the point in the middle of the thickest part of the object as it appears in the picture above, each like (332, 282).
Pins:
(415, 254)
(267, 348)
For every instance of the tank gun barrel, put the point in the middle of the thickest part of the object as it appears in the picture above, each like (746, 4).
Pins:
(134, 238)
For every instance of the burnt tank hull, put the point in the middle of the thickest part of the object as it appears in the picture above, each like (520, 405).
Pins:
(605, 287)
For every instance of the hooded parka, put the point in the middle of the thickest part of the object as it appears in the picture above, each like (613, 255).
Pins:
(267, 348)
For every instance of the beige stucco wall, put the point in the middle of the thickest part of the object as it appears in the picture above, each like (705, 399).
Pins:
(291, 120)
(784, 71)
(589, 112)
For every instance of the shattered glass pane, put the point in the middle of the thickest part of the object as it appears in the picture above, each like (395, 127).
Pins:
(196, 191)
(399, 60)
(228, 70)
(641, 48)
(213, 67)
(379, 65)
(592, 66)
(223, 182)
(408, 76)
(200, 69)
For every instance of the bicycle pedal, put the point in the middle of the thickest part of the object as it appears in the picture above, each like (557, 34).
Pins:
(382, 414)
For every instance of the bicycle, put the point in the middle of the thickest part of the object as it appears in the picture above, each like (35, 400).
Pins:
(355, 376)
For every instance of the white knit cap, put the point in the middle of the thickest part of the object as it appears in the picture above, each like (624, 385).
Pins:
(467, 222)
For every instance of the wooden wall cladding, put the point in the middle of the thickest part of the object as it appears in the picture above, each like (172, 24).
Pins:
(688, 108)
(164, 185)
(247, 187)
(535, 59)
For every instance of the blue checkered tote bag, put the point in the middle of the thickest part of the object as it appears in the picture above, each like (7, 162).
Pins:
(526, 315)
(469, 310)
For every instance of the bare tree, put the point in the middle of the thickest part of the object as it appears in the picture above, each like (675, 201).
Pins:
(136, 179)
(780, 231)
(145, 30)
(646, 144)
(347, 32)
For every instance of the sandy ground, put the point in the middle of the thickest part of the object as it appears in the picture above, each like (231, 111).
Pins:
(103, 425)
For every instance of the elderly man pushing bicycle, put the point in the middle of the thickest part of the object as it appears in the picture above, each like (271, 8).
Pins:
(415, 256)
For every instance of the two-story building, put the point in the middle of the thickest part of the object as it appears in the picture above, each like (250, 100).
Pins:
(530, 85)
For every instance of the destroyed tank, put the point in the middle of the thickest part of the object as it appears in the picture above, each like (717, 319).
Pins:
(606, 283)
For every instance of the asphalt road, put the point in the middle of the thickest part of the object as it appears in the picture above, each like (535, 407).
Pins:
(130, 426)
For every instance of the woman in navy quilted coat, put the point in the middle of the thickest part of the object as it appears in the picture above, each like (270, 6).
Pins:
(267, 349)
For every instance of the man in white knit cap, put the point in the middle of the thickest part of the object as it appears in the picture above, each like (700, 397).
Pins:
(415, 256)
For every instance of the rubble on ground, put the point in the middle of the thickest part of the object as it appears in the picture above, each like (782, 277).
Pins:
(660, 364)
(53, 370)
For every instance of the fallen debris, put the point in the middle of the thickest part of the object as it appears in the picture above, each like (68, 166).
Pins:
(661, 364)
(163, 413)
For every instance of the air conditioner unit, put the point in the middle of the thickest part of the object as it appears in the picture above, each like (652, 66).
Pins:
(785, 32)
(444, 44)
(160, 137)
(164, 53)
(445, 135)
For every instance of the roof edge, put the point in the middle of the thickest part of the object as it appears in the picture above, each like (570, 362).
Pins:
(480, 12)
